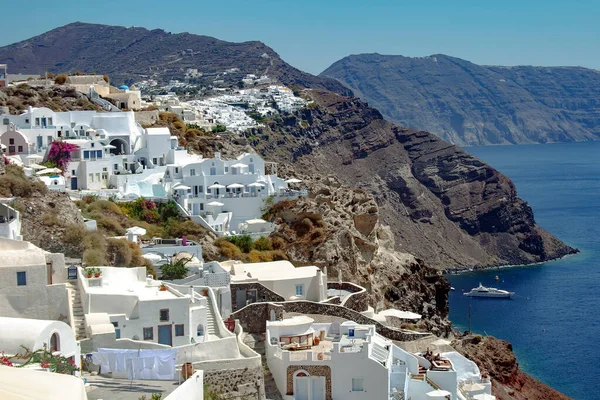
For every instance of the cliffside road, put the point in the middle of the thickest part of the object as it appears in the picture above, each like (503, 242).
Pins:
(469, 104)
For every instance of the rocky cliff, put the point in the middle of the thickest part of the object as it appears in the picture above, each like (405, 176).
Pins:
(508, 381)
(133, 54)
(443, 205)
(465, 103)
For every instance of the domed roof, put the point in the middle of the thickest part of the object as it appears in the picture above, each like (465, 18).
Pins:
(123, 87)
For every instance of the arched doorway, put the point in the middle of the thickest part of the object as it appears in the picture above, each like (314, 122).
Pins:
(54, 342)
(200, 330)
(120, 146)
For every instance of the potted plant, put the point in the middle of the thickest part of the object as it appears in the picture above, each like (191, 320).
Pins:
(89, 271)
(97, 272)
(163, 287)
(204, 292)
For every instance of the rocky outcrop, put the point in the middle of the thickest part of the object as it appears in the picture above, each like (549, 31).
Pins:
(441, 204)
(508, 381)
(470, 104)
(339, 228)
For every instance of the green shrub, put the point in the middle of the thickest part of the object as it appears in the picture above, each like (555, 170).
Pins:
(262, 244)
(175, 269)
(243, 242)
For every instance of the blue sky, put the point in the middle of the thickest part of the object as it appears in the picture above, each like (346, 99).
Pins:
(311, 35)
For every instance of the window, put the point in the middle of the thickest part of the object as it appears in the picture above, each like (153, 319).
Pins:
(164, 314)
(226, 169)
(73, 172)
(54, 342)
(6, 121)
(115, 324)
(49, 121)
(104, 169)
(155, 161)
(179, 330)
(92, 145)
(26, 120)
(299, 290)
(91, 178)
(200, 331)
(176, 170)
(192, 172)
(213, 171)
(357, 385)
(21, 278)
(37, 122)
(116, 166)
(97, 176)
(20, 149)
(117, 333)
(201, 206)
(11, 141)
(99, 153)
(149, 333)
(86, 154)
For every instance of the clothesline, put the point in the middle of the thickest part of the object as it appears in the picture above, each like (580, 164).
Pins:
(138, 364)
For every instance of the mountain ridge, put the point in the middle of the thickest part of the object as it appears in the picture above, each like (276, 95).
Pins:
(469, 104)
(131, 54)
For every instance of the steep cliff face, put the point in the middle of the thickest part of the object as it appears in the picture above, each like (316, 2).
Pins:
(443, 205)
(508, 381)
(465, 103)
(339, 228)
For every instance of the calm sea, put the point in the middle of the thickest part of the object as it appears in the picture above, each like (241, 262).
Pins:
(553, 321)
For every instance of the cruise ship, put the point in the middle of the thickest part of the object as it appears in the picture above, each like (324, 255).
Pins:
(482, 291)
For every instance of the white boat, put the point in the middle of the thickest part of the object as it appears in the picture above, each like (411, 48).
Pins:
(482, 291)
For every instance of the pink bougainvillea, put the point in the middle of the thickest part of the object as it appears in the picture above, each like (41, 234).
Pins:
(60, 154)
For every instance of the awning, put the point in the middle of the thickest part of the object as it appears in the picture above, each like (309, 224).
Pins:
(216, 186)
(182, 187)
(399, 314)
(235, 186)
(110, 146)
(49, 171)
(434, 394)
(239, 165)
(136, 230)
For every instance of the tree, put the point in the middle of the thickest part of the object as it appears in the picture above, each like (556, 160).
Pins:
(175, 269)
(219, 128)
(60, 154)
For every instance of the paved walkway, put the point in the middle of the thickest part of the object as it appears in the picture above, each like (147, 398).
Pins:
(102, 388)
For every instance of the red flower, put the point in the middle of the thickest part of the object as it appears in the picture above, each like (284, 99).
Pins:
(72, 362)
(45, 364)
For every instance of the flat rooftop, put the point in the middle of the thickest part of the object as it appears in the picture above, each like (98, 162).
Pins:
(132, 288)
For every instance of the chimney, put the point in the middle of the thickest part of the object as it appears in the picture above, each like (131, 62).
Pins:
(217, 155)
(192, 296)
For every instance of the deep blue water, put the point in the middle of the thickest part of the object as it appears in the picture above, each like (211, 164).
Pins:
(553, 319)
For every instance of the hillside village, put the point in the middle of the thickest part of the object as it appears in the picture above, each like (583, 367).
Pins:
(179, 283)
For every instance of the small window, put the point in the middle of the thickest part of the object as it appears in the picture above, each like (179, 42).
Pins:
(20, 149)
(49, 121)
(176, 170)
(164, 314)
(149, 333)
(99, 153)
(104, 169)
(201, 206)
(200, 330)
(115, 324)
(117, 333)
(179, 330)
(357, 385)
(192, 172)
(37, 122)
(86, 154)
(155, 161)
(226, 169)
(299, 290)
(92, 145)
(22, 278)
(91, 178)
(11, 141)
(26, 120)
(73, 172)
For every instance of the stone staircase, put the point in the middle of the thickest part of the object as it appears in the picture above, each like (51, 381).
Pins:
(78, 315)
(210, 317)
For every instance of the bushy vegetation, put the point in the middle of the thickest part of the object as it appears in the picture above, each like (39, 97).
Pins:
(15, 183)
(244, 248)
(175, 269)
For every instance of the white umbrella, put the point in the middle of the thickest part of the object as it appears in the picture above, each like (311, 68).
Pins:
(34, 157)
(2, 146)
(136, 230)
(216, 186)
(215, 204)
(152, 257)
(182, 187)
(110, 146)
(473, 387)
(256, 184)
(37, 166)
(438, 393)
(484, 396)
(293, 180)
(49, 171)
(239, 165)
(235, 186)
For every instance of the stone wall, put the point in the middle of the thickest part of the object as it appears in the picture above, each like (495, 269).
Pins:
(357, 301)
(146, 118)
(263, 294)
(253, 318)
(313, 370)
(242, 384)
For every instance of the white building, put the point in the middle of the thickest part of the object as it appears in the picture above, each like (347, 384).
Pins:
(36, 334)
(32, 282)
(10, 220)
(292, 283)
(333, 361)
